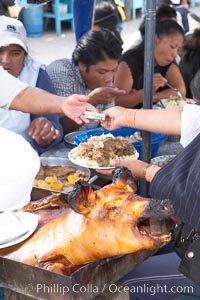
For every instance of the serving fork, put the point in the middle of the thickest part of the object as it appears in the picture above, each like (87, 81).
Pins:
(176, 90)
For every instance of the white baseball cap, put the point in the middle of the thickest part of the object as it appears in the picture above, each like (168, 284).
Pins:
(12, 31)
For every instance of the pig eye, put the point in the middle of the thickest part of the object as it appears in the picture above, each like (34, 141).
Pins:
(112, 212)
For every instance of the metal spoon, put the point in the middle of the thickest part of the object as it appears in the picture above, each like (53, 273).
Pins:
(176, 90)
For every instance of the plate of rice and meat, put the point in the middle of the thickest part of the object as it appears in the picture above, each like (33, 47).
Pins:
(98, 151)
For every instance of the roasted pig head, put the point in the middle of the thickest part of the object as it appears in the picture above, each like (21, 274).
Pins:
(110, 221)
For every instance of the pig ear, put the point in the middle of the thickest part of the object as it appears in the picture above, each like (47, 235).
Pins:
(81, 199)
(124, 176)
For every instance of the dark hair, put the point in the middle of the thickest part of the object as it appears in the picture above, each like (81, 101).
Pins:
(168, 27)
(97, 45)
(195, 86)
(191, 45)
(164, 28)
(163, 12)
(106, 16)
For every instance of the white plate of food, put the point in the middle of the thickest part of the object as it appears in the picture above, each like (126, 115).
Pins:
(83, 163)
(175, 102)
(28, 220)
(98, 151)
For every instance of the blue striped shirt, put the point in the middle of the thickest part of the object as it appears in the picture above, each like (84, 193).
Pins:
(179, 181)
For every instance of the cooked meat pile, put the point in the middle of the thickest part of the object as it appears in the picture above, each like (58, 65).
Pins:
(98, 151)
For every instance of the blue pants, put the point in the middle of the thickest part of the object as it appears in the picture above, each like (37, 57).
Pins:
(184, 15)
(158, 278)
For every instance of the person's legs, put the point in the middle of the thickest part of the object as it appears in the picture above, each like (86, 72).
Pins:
(158, 278)
(184, 15)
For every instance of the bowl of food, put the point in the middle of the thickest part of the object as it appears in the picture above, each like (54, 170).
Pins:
(131, 134)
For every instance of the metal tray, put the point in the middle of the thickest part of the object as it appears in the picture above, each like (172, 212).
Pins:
(59, 161)
(84, 284)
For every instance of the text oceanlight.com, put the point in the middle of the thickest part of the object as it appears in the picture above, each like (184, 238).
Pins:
(152, 290)
(145, 288)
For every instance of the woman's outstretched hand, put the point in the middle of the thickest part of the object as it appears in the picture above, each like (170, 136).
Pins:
(114, 118)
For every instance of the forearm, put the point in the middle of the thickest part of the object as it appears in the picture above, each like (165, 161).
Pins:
(185, 4)
(130, 100)
(37, 101)
(155, 120)
(138, 168)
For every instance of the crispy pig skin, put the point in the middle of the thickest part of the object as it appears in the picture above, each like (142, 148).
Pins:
(52, 201)
(100, 224)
